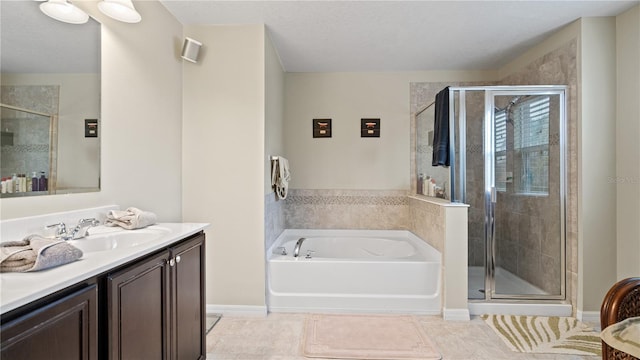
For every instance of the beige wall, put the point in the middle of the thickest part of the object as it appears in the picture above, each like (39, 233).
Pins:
(597, 162)
(141, 117)
(79, 100)
(347, 161)
(223, 158)
(274, 110)
(627, 179)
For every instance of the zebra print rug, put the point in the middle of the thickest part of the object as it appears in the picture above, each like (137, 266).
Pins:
(541, 334)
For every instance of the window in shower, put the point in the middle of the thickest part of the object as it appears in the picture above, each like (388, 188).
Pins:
(501, 149)
(531, 145)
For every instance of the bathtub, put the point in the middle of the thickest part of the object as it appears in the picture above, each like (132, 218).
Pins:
(352, 271)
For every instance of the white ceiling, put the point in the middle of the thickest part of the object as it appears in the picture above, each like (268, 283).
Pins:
(325, 35)
(321, 36)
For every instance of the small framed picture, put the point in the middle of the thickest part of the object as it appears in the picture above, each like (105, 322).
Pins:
(321, 128)
(369, 127)
(90, 127)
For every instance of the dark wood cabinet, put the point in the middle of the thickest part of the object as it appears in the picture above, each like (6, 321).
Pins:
(188, 316)
(152, 307)
(65, 329)
(156, 306)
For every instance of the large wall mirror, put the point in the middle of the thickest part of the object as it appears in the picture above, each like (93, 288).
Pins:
(50, 95)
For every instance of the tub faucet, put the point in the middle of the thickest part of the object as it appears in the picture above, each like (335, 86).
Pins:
(296, 250)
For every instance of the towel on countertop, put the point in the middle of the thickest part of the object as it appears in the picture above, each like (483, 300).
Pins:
(35, 253)
(130, 219)
(280, 176)
(441, 129)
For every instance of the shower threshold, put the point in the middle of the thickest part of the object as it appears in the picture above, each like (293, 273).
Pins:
(520, 307)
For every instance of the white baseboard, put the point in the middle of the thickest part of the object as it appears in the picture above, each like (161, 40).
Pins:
(237, 310)
(588, 316)
(456, 314)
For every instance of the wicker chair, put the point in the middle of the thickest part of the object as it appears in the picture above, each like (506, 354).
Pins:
(621, 302)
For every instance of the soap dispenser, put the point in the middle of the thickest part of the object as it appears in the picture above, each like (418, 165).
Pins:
(42, 182)
(34, 181)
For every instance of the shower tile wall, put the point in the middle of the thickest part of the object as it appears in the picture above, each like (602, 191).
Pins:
(558, 67)
(475, 177)
(346, 209)
(30, 149)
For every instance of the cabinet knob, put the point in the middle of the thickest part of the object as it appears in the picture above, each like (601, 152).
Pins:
(172, 262)
(178, 259)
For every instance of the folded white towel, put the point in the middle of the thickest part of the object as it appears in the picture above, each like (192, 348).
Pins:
(130, 219)
(280, 177)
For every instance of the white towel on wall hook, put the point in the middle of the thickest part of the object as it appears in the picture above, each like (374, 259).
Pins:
(280, 176)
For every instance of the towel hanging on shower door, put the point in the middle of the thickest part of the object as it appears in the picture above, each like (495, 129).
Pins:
(441, 129)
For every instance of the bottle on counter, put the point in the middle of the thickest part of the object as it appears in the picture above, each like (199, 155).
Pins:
(42, 182)
(12, 184)
(28, 185)
(34, 181)
(420, 184)
(432, 187)
(23, 183)
(3, 186)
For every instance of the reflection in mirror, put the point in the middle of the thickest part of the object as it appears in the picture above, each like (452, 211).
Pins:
(50, 84)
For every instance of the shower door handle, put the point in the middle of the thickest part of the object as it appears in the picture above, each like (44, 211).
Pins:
(494, 195)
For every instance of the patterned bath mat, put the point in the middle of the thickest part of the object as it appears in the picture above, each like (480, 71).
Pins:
(541, 334)
(366, 337)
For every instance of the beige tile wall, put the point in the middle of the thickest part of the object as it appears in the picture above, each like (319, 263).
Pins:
(346, 209)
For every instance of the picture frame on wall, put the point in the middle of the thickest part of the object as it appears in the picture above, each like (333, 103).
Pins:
(369, 127)
(321, 128)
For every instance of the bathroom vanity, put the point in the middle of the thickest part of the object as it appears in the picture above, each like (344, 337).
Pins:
(133, 295)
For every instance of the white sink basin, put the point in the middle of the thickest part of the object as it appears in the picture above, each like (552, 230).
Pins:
(118, 240)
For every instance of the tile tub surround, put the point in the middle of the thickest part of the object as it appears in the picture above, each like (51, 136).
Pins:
(346, 209)
(18, 289)
(274, 223)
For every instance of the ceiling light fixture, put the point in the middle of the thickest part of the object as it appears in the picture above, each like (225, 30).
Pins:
(121, 10)
(64, 11)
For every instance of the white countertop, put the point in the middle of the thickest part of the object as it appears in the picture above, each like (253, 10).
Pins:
(17, 289)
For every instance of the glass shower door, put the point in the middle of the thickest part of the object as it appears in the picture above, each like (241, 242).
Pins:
(525, 200)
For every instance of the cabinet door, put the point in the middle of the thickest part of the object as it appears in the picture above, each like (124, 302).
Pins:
(65, 329)
(188, 316)
(138, 319)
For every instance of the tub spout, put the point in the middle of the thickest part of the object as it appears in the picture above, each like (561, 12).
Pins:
(296, 250)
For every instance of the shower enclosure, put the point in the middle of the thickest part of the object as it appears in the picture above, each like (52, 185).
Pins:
(507, 151)
(29, 144)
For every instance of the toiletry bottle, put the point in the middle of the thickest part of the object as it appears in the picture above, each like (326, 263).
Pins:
(425, 186)
(34, 181)
(42, 182)
(28, 184)
(420, 184)
(432, 187)
(3, 187)
(10, 184)
(23, 183)
(14, 183)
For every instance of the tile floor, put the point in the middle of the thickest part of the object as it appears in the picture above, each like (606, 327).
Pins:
(278, 337)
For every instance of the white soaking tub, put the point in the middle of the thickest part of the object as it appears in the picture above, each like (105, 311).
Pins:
(384, 271)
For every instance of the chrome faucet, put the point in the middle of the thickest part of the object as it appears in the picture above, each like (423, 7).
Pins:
(296, 250)
(78, 232)
(82, 229)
